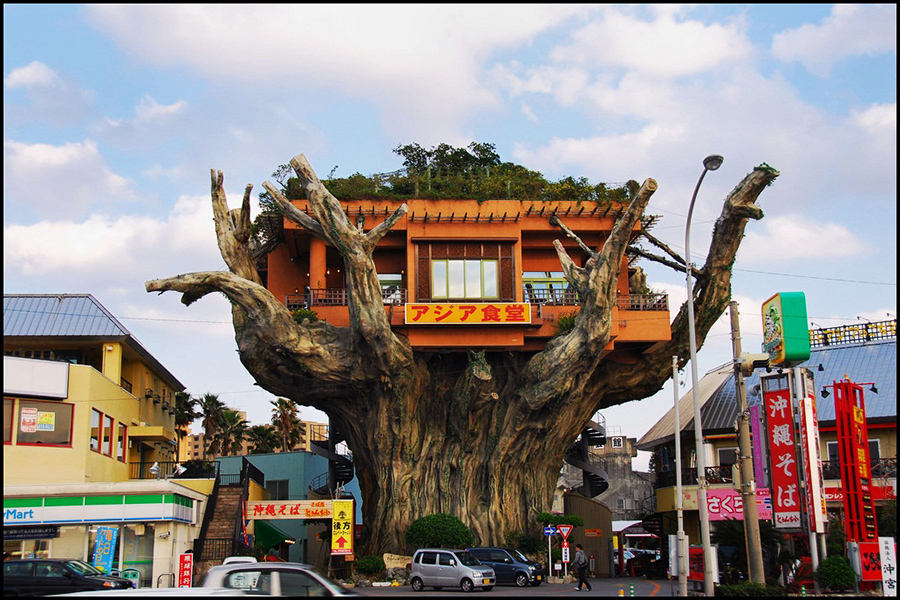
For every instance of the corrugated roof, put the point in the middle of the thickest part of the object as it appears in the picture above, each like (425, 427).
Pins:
(866, 362)
(73, 316)
(69, 315)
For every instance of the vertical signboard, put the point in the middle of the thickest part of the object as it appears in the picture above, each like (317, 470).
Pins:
(812, 460)
(759, 446)
(342, 527)
(853, 452)
(785, 484)
(185, 570)
(888, 566)
(785, 328)
(104, 548)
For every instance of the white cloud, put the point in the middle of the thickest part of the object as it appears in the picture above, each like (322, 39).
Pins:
(60, 181)
(850, 30)
(664, 47)
(35, 74)
(797, 237)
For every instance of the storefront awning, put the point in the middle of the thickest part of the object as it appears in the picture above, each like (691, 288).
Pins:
(267, 535)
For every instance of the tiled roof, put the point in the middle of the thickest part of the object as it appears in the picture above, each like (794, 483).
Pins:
(865, 362)
(64, 315)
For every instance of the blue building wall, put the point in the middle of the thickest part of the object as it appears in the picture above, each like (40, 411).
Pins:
(298, 469)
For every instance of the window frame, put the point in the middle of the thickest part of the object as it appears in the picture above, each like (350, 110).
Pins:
(95, 442)
(106, 444)
(122, 442)
(449, 287)
(28, 403)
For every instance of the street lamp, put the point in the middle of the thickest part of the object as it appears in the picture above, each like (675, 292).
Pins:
(710, 163)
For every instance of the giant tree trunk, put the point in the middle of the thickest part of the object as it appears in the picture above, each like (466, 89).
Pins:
(478, 435)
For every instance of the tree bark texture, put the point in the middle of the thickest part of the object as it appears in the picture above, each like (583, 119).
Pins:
(480, 435)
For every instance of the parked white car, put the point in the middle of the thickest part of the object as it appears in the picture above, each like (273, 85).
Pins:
(440, 568)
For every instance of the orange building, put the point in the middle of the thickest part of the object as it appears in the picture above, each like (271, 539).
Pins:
(460, 274)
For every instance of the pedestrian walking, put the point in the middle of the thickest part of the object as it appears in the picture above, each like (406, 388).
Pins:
(581, 562)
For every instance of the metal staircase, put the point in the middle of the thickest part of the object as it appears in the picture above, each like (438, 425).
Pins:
(340, 464)
(594, 479)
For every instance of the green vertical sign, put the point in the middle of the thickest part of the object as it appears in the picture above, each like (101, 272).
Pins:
(785, 328)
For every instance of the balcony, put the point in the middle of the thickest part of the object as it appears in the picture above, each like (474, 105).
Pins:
(882, 468)
(192, 469)
(714, 474)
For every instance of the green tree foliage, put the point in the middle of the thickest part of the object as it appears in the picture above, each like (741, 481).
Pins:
(210, 408)
(836, 574)
(263, 439)
(185, 414)
(439, 531)
(370, 564)
(886, 516)
(546, 518)
(232, 429)
(286, 419)
(529, 543)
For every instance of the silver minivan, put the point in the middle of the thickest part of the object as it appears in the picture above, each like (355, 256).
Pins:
(440, 568)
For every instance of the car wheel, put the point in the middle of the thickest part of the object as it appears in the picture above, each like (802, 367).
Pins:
(467, 585)
(521, 579)
(417, 584)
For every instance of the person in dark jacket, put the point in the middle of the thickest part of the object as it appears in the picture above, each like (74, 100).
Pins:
(581, 562)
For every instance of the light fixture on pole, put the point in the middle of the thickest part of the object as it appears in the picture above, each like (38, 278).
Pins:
(710, 163)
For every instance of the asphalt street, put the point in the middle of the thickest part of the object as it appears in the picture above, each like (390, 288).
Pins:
(606, 587)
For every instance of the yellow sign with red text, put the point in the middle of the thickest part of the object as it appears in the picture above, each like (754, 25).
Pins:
(342, 527)
(475, 313)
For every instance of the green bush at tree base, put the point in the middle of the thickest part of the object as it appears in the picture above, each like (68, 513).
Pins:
(439, 531)
(836, 574)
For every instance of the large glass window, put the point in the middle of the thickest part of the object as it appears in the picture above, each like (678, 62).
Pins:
(464, 279)
(96, 420)
(108, 435)
(44, 423)
(120, 442)
(8, 408)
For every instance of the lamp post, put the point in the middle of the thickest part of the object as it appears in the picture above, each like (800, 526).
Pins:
(710, 163)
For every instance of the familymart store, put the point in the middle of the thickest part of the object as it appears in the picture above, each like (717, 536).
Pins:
(138, 528)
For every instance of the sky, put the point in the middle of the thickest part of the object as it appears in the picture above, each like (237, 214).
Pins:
(113, 116)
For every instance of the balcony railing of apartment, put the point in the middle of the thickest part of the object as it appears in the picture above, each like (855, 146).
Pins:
(557, 297)
(192, 469)
(882, 468)
(714, 474)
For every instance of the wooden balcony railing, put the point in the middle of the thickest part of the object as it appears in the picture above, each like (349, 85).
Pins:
(551, 297)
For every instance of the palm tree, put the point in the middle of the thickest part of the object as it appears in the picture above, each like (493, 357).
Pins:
(232, 428)
(264, 439)
(185, 414)
(210, 408)
(287, 422)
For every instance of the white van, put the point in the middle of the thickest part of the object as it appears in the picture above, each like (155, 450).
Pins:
(440, 568)
(238, 559)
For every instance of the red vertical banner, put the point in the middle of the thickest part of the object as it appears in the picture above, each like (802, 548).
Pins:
(812, 462)
(786, 494)
(185, 570)
(853, 451)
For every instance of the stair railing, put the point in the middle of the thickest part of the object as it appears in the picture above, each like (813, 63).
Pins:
(200, 541)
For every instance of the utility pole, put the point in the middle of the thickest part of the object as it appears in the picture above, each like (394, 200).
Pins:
(748, 482)
(681, 541)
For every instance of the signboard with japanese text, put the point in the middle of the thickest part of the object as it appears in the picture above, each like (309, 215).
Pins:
(853, 452)
(785, 328)
(887, 549)
(729, 504)
(289, 509)
(759, 445)
(185, 570)
(869, 561)
(812, 460)
(342, 527)
(28, 418)
(565, 551)
(468, 313)
(785, 476)
(696, 570)
(104, 548)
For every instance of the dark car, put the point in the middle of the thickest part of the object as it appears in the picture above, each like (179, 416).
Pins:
(43, 576)
(511, 566)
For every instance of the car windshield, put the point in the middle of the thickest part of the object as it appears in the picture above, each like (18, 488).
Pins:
(83, 568)
(467, 558)
(518, 556)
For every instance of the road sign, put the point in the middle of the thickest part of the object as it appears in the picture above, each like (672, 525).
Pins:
(565, 551)
(185, 570)
(565, 530)
(342, 527)
(549, 530)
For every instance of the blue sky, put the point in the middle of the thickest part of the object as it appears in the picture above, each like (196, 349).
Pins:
(114, 115)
